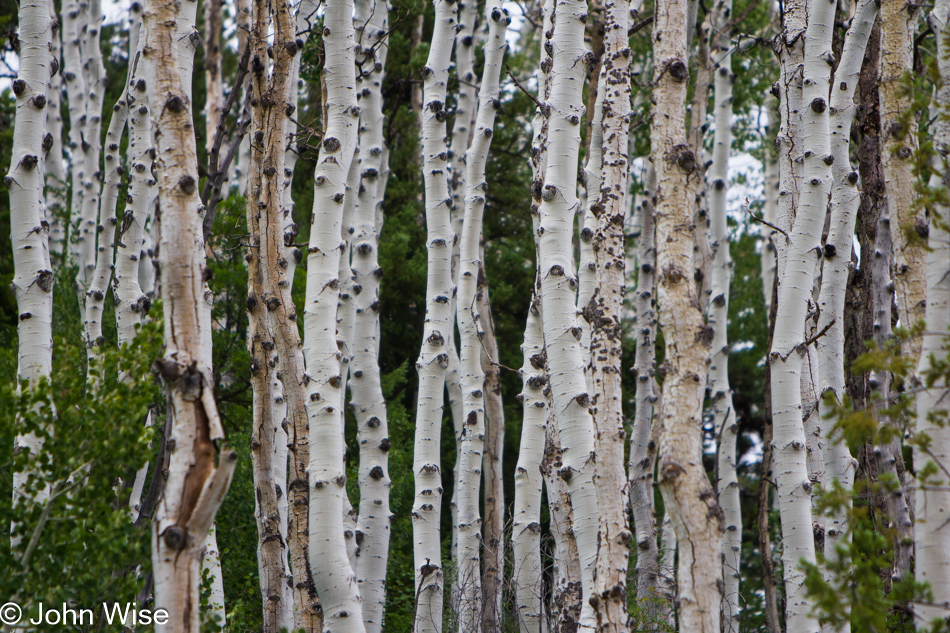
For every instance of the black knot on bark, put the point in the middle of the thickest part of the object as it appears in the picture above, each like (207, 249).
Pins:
(331, 144)
(140, 85)
(557, 270)
(587, 234)
(436, 339)
(583, 400)
(830, 251)
(852, 178)
(548, 193)
(376, 473)
(39, 101)
(175, 538)
(818, 105)
(175, 104)
(47, 143)
(679, 71)
(19, 85)
(828, 160)
(187, 184)
(685, 158)
(272, 303)
(29, 162)
(385, 445)
(53, 67)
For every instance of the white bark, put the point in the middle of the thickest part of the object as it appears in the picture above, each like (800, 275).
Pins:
(527, 574)
(369, 406)
(723, 412)
(196, 485)
(688, 497)
(56, 203)
(770, 212)
(795, 285)
(469, 590)
(95, 78)
(933, 496)
(74, 19)
(334, 579)
(562, 332)
(433, 358)
(642, 450)
(845, 199)
(32, 272)
(587, 266)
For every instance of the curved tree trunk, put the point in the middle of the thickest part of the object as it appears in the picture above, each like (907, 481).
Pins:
(696, 515)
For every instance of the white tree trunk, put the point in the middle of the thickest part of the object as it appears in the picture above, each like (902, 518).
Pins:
(795, 286)
(725, 425)
(196, 485)
(770, 212)
(605, 313)
(559, 314)
(433, 358)
(56, 202)
(32, 272)
(933, 495)
(74, 19)
(334, 579)
(369, 406)
(838, 464)
(527, 574)
(899, 145)
(468, 593)
(688, 497)
(642, 450)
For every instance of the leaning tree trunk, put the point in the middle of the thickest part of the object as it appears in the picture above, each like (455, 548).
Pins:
(899, 130)
(562, 331)
(690, 500)
(32, 272)
(369, 405)
(468, 581)
(605, 312)
(334, 579)
(198, 473)
(845, 199)
(725, 425)
(933, 496)
(433, 358)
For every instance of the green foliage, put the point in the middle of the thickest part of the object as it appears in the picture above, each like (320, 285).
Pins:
(80, 545)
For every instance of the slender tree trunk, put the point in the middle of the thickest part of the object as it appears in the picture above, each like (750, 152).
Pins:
(899, 136)
(839, 465)
(334, 579)
(642, 449)
(373, 530)
(469, 588)
(770, 210)
(606, 310)
(933, 496)
(527, 573)
(690, 500)
(562, 331)
(433, 357)
(724, 414)
(32, 271)
(55, 196)
(74, 18)
(214, 84)
(199, 473)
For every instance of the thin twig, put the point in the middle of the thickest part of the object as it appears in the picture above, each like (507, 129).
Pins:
(763, 220)
(522, 88)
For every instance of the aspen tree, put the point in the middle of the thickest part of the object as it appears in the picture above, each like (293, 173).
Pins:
(605, 314)
(95, 81)
(899, 136)
(690, 500)
(845, 198)
(369, 405)
(587, 222)
(55, 200)
(267, 339)
(333, 577)
(214, 86)
(32, 271)
(559, 314)
(527, 569)
(433, 358)
(74, 79)
(723, 411)
(469, 592)
(199, 473)
(932, 496)
(796, 278)
(642, 448)
(769, 212)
